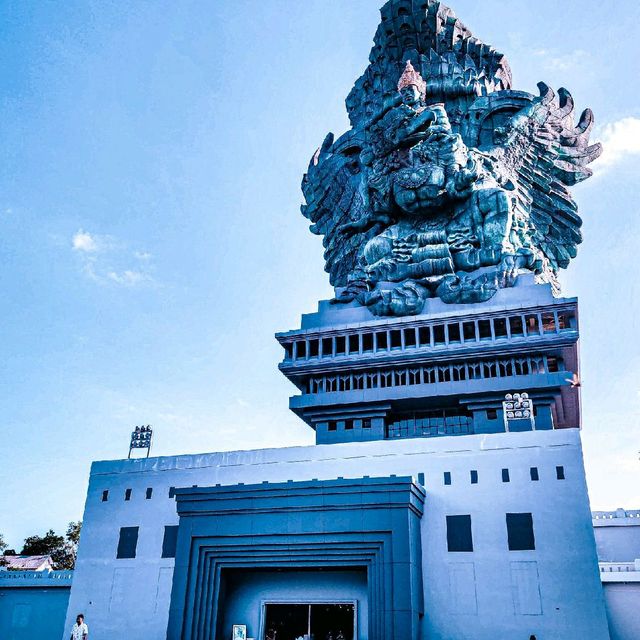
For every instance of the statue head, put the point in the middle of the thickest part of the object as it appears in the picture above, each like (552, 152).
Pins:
(411, 85)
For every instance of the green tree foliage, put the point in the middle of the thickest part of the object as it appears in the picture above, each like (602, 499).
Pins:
(3, 546)
(62, 549)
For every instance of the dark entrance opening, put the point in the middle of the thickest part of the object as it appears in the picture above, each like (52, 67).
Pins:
(309, 622)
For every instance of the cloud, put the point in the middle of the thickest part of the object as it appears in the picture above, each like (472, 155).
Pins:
(106, 261)
(85, 242)
(557, 61)
(620, 139)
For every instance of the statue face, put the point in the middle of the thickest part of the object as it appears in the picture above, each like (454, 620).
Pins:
(410, 95)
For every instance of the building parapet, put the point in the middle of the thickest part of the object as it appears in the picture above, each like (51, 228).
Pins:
(10, 579)
(620, 571)
(617, 518)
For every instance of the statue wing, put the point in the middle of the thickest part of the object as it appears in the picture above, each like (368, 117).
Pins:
(546, 153)
(334, 189)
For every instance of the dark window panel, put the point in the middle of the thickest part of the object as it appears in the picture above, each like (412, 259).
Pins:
(459, 537)
(520, 532)
(170, 541)
(127, 543)
(505, 475)
(474, 476)
(560, 473)
(105, 495)
(535, 476)
(172, 492)
(127, 494)
(149, 493)
(447, 477)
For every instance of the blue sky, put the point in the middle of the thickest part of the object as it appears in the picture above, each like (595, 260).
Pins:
(150, 236)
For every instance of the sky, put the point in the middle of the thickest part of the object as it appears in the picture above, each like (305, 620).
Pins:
(151, 242)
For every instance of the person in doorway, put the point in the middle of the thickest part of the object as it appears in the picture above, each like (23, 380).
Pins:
(80, 631)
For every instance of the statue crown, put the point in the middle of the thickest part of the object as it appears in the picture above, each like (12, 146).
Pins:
(411, 77)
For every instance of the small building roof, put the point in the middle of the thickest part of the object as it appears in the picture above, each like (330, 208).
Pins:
(28, 563)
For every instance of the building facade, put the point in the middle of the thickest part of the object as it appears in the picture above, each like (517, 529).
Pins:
(445, 497)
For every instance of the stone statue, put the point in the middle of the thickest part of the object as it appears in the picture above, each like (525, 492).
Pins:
(449, 183)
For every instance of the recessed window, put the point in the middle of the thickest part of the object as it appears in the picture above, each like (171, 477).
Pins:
(447, 477)
(127, 494)
(332, 426)
(127, 542)
(459, 537)
(500, 327)
(327, 346)
(516, 325)
(492, 414)
(367, 342)
(348, 424)
(170, 541)
(438, 334)
(560, 473)
(105, 495)
(410, 338)
(148, 493)
(552, 364)
(366, 423)
(469, 331)
(424, 334)
(172, 492)
(484, 329)
(532, 325)
(341, 345)
(520, 532)
(354, 344)
(533, 472)
(301, 349)
(564, 321)
(381, 341)
(454, 332)
(505, 475)
(396, 339)
(314, 346)
(548, 323)
(474, 476)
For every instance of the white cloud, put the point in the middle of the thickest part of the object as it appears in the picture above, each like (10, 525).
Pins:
(107, 261)
(558, 61)
(620, 139)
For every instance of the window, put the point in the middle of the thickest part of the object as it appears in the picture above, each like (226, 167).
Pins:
(327, 346)
(516, 325)
(127, 542)
(367, 342)
(438, 334)
(340, 345)
(484, 329)
(532, 325)
(348, 424)
(520, 532)
(424, 334)
(314, 346)
(560, 473)
(533, 472)
(548, 323)
(410, 338)
(354, 344)
(500, 327)
(454, 332)
(505, 475)
(105, 495)
(366, 423)
(492, 414)
(469, 331)
(459, 534)
(301, 349)
(474, 476)
(169, 541)
(396, 339)
(381, 341)
(172, 492)
(127, 494)
(447, 477)
(148, 493)
(332, 426)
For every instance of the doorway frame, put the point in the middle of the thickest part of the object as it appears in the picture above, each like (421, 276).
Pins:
(267, 601)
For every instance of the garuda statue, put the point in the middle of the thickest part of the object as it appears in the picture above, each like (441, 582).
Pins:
(449, 183)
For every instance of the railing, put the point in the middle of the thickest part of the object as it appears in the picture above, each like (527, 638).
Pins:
(15, 578)
(618, 513)
(619, 567)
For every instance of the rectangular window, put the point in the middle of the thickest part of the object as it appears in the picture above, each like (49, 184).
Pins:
(505, 475)
(474, 476)
(396, 339)
(548, 323)
(354, 344)
(301, 349)
(492, 414)
(366, 423)
(520, 532)
(454, 332)
(127, 494)
(410, 338)
(340, 345)
(367, 342)
(381, 341)
(149, 493)
(500, 327)
(169, 541)
(438, 334)
(535, 476)
(327, 346)
(172, 492)
(532, 325)
(332, 426)
(447, 477)
(127, 542)
(459, 537)
(560, 473)
(105, 495)
(516, 325)
(424, 333)
(469, 331)
(314, 346)
(484, 329)
(348, 424)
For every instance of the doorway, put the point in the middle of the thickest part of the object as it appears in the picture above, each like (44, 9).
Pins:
(309, 621)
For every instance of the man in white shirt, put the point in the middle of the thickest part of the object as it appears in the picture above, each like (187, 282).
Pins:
(80, 631)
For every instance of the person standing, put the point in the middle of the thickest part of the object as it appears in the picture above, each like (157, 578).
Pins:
(80, 631)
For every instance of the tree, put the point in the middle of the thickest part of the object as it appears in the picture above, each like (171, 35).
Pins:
(3, 546)
(62, 549)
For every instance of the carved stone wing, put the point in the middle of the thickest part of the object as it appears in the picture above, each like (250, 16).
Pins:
(335, 194)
